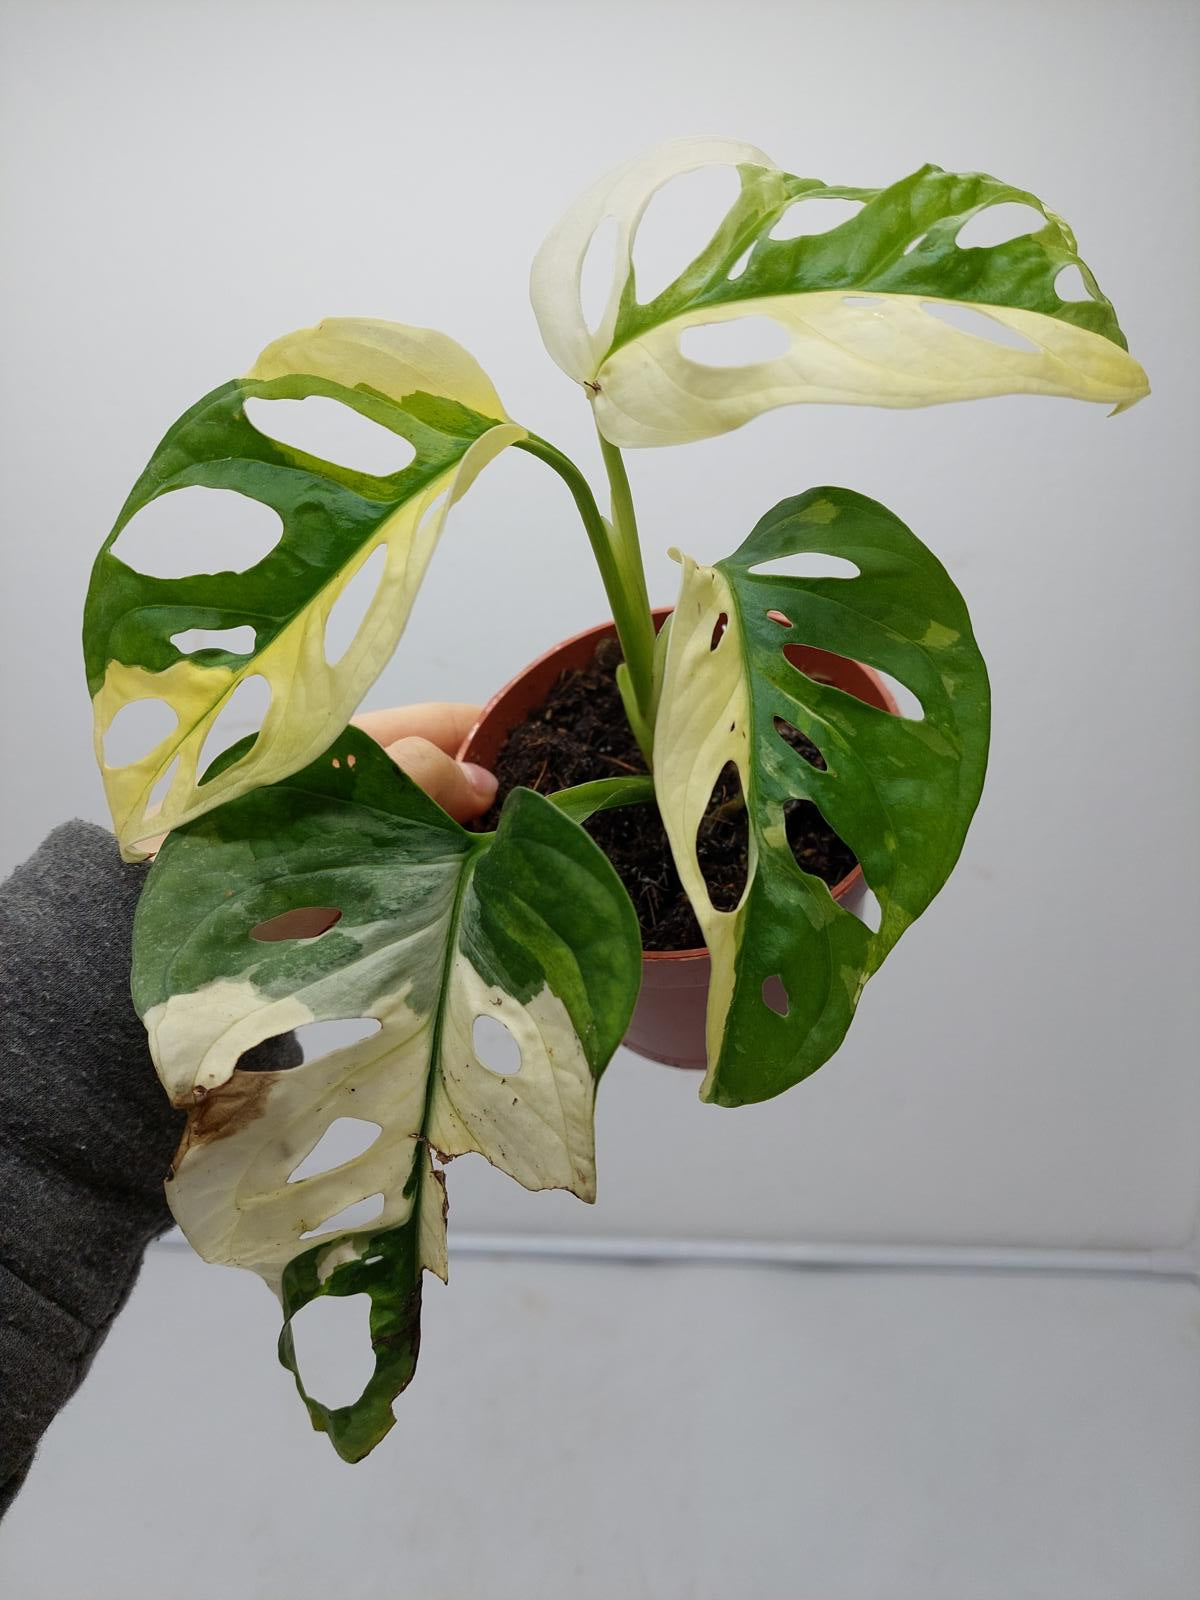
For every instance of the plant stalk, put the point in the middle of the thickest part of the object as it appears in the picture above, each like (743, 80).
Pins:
(619, 558)
(639, 653)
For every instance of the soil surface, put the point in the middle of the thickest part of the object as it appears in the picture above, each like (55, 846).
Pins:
(581, 734)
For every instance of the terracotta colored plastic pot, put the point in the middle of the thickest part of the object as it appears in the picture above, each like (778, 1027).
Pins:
(668, 1020)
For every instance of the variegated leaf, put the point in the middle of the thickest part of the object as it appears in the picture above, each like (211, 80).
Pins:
(899, 790)
(418, 384)
(344, 892)
(856, 307)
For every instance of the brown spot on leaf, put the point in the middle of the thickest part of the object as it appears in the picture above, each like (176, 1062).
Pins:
(223, 1111)
(302, 922)
(439, 1177)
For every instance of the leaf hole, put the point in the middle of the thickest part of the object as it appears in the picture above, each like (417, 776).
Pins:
(160, 791)
(778, 616)
(302, 922)
(244, 712)
(823, 666)
(198, 529)
(345, 1139)
(913, 244)
(681, 218)
(723, 841)
(319, 1039)
(139, 727)
(334, 1356)
(997, 224)
(233, 641)
(979, 324)
(807, 564)
(598, 273)
(429, 529)
(495, 1046)
(800, 743)
(740, 265)
(314, 1039)
(775, 996)
(815, 214)
(433, 512)
(736, 342)
(851, 677)
(719, 627)
(816, 847)
(359, 1214)
(864, 904)
(1069, 284)
(910, 706)
(332, 432)
(353, 606)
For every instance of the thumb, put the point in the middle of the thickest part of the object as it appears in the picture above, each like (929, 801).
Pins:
(459, 787)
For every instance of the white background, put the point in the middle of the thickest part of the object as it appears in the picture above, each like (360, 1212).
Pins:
(184, 182)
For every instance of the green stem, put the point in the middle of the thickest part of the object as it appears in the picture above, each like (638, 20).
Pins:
(619, 559)
(639, 654)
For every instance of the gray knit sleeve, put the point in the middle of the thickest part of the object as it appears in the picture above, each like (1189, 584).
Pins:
(86, 1132)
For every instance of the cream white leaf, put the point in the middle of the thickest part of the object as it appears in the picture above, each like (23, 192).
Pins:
(859, 303)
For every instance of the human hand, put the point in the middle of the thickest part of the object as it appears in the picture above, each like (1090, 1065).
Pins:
(421, 740)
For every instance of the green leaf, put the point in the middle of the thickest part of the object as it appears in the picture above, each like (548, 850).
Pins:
(857, 305)
(436, 927)
(605, 794)
(415, 382)
(900, 791)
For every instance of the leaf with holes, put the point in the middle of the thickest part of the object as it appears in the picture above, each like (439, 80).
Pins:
(419, 390)
(345, 892)
(864, 310)
(900, 791)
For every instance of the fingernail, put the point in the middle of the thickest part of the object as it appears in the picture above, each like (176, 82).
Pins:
(483, 782)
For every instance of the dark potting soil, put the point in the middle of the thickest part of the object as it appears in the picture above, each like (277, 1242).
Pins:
(580, 734)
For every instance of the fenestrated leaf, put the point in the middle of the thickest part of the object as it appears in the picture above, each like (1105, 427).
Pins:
(437, 927)
(415, 382)
(900, 791)
(858, 303)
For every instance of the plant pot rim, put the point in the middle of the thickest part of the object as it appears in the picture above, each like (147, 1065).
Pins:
(846, 886)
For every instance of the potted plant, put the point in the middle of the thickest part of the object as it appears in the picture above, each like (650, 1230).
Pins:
(304, 878)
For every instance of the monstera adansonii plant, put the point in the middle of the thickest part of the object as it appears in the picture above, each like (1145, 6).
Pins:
(305, 879)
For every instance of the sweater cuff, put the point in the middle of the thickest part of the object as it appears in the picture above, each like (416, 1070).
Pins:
(86, 1130)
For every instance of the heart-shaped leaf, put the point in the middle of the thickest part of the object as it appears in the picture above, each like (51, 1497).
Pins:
(859, 308)
(900, 791)
(343, 892)
(416, 383)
